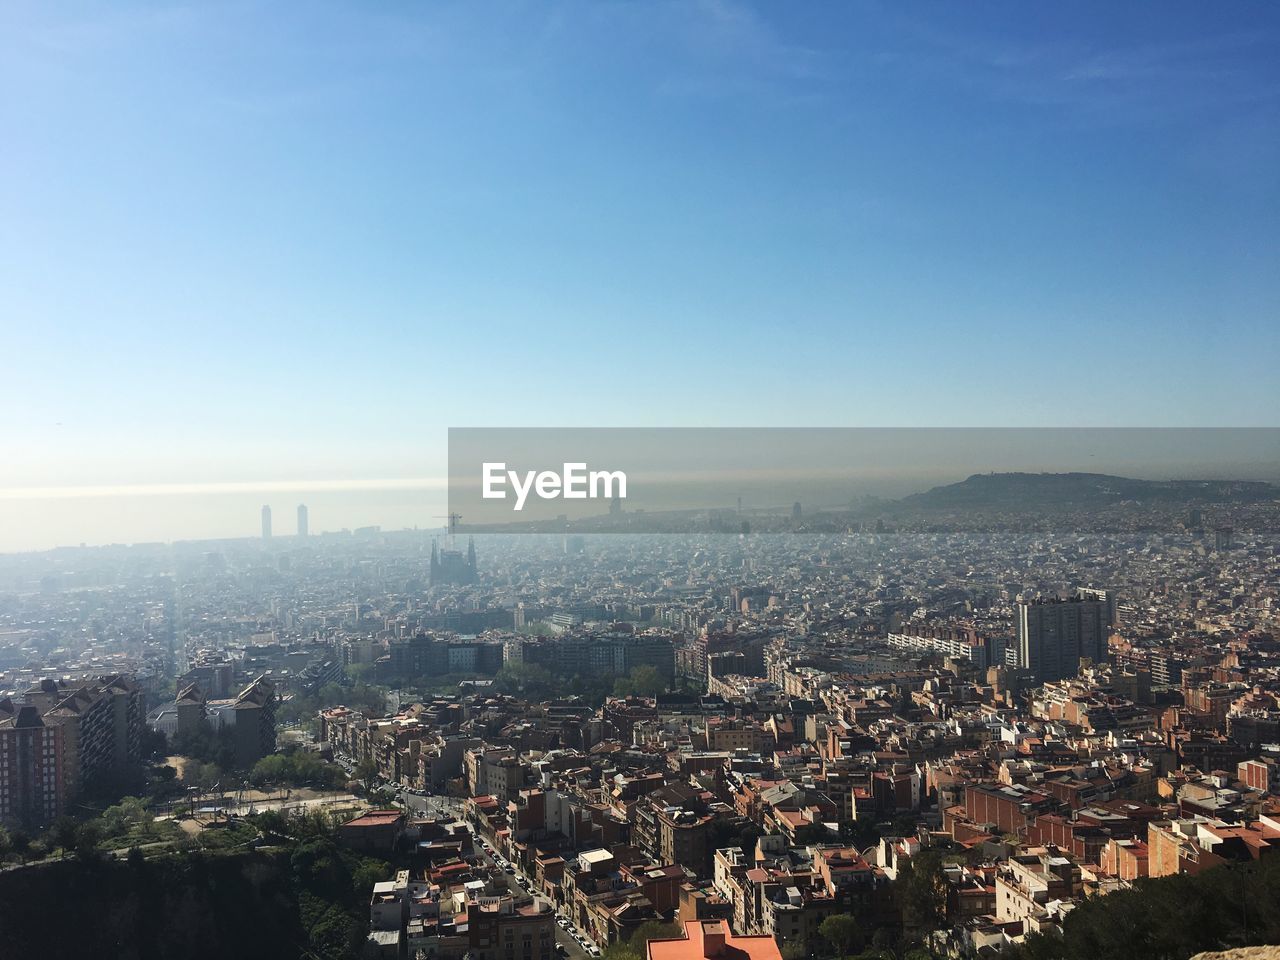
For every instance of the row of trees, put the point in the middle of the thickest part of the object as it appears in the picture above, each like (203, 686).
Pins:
(642, 681)
(534, 682)
(295, 769)
(365, 697)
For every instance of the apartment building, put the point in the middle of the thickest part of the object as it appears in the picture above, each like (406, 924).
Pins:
(1030, 885)
(501, 930)
(102, 723)
(254, 727)
(31, 779)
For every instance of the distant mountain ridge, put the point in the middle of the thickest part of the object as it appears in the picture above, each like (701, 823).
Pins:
(1041, 490)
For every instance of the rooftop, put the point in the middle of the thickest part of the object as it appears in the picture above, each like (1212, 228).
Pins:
(712, 939)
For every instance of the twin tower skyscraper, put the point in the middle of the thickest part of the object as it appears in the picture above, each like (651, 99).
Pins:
(266, 521)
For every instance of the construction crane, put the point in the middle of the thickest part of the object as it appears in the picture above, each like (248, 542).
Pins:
(453, 519)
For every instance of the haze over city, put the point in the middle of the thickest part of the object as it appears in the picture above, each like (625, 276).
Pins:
(639, 480)
(242, 249)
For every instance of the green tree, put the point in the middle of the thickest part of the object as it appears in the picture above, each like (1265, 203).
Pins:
(528, 680)
(859, 833)
(642, 681)
(130, 814)
(843, 933)
(812, 833)
(331, 931)
(634, 947)
(1036, 946)
(62, 834)
(272, 769)
(88, 836)
(20, 842)
(921, 888)
(191, 772)
(155, 745)
(139, 818)
(904, 826)
(366, 770)
(210, 775)
(368, 699)
(359, 672)
(365, 876)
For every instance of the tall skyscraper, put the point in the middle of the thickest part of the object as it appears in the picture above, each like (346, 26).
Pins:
(302, 519)
(266, 522)
(1054, 634)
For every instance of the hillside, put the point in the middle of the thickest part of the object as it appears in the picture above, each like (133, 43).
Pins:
(1170, 918)
(1048, 491)
(304, 899)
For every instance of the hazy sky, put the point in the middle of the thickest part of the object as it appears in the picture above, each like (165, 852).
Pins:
(249, 241)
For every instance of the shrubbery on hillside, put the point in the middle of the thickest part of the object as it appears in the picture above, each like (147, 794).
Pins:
(307, 898)
(1170, 918)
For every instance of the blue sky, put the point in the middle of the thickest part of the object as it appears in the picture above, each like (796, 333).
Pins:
(251, 241)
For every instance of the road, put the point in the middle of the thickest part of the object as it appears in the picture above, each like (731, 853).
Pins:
(244, 808)
(312, 803)
(573, 949)
(433, 806)
(436, 806)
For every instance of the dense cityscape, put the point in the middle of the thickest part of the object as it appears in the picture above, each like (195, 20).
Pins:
(639, 480)
(799, 744)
